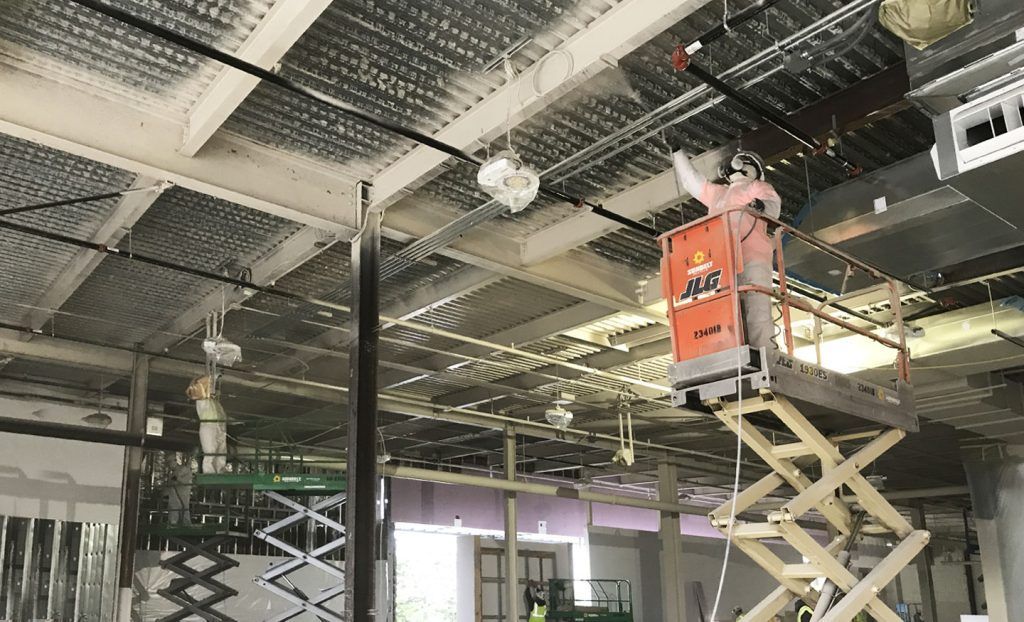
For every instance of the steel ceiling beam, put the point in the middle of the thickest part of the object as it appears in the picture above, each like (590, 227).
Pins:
(233, 169)
(600, 45)
(307, 243)
(125, 214)
(524, 334)
(414, 304)
(275, 34)
(46, 112)
(603, 360)
(117, 360)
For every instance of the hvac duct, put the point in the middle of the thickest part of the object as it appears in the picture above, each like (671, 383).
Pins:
(978, 58)
(927, 224)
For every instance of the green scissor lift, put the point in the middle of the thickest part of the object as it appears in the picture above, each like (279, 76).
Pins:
(282, 483)
(590, 600)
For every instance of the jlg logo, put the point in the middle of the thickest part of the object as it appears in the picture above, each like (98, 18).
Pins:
(701, 285)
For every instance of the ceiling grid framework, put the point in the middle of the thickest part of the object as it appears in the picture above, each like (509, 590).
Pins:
(423, 64)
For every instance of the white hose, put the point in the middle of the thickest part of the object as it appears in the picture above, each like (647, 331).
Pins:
(739, 426)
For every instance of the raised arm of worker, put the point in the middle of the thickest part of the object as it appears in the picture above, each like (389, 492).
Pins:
(688, 177)
(696, 184)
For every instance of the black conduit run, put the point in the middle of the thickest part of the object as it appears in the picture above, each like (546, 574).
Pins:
(268, 76)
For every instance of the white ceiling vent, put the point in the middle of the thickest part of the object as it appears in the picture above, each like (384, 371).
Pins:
(980, 132)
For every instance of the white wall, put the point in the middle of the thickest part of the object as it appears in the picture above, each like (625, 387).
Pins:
(55, 478)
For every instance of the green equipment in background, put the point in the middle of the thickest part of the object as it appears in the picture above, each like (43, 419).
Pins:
(590, 600)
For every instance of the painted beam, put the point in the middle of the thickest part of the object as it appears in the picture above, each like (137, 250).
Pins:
(279, 29)
(282, 259)
(129, 209)
(610, 37)
(416, 303)
(551, 324)
(116, 134)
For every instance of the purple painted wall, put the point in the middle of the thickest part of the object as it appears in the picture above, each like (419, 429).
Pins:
(428, 503)
(438, 504)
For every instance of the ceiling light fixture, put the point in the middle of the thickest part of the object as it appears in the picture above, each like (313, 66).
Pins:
(558, 417)
(508, 181)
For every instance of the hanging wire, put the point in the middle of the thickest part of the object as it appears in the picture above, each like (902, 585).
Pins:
(739, 437)
(513, 82)
(991, 305)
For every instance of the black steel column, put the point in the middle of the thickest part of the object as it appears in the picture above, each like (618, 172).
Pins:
(129, 523)
(361, 511)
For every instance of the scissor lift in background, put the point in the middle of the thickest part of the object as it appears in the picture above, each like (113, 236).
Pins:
(282, 488)
(715, 367)
(196, 590)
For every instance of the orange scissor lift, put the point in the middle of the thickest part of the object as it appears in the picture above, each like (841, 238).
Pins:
(714, 366)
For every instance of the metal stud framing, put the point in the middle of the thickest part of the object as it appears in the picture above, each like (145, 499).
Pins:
(275, 579)
(836, 471)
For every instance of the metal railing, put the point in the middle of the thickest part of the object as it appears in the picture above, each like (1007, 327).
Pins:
(789, 299)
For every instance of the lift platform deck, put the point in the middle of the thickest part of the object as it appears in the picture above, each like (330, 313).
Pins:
(753, 389)
(304, 483)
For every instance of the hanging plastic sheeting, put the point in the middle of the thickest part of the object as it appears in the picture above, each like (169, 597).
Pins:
(923, 22)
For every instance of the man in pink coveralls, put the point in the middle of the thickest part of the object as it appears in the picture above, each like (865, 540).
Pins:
(746, 188)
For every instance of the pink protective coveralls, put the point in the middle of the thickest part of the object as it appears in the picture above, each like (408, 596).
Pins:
(756, 248)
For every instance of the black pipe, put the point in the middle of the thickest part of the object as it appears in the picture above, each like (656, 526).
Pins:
(153, 261)
(62, 202)
(268, 76)
(91, 435)
(771, 116)
(131, 483)
(731, 22)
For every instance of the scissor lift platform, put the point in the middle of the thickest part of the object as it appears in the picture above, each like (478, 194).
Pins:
(714, 366)
(794, 465)
(836, 401)
(282, 488)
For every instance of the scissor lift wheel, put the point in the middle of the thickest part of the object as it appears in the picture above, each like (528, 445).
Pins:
(275, 579)
(820, 494)
(181, 590)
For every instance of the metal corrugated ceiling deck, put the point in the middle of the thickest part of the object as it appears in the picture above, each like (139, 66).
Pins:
(645, 82)
(29, 265)
(133, 300)
(419, 63)
(76, 45)
(410, 61)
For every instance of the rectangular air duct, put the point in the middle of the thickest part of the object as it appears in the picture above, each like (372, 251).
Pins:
(978, 58)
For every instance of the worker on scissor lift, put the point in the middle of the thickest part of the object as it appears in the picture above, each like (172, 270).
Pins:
(179, 495)
(536, 604)
(745, 187)
(213, 424)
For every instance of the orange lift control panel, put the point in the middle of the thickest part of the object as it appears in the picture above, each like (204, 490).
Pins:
(698, 281)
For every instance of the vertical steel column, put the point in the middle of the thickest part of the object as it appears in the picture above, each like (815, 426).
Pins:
(972, 597)
(361, 507)
(129, 523)
(673, 595)
(512, 593)
(924, 569)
